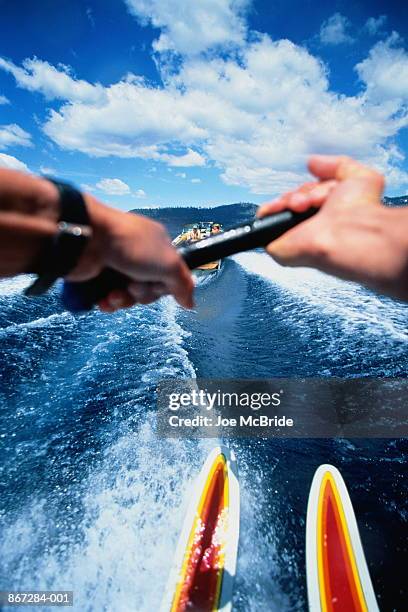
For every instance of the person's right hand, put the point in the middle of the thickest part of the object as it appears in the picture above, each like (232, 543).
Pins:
(353, 236)
(139, 248)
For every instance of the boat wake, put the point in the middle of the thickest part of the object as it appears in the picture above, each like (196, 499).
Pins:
(94, 501)
(354, 304)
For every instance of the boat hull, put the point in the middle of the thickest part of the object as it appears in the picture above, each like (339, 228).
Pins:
(214, 266)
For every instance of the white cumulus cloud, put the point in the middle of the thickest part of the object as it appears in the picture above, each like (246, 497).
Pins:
(135, 121)
(37, 75)
(255, 114)
(385, 71)
(256, 117)
(113, 186)
(334, 30)
(12, 135)
(12, 163)
(4, 100)
(190, 27)
(373, 25)
(196, 180)
(189, 159)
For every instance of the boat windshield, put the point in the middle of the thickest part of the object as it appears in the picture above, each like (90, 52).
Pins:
(188, 227)
(206, 225)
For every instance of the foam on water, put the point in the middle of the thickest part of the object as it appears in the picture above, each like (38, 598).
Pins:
(11, 286)
(357, 306)
(127, 509)
(132, 511)
(20, 328)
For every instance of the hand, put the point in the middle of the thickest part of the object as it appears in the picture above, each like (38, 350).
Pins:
(139, 248)
(132, 244)
(353, 236)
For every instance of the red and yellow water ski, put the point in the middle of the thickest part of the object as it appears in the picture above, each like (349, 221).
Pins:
(337, 574)
(205, 560)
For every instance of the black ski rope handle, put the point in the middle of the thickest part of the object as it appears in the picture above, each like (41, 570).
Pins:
(82, 296)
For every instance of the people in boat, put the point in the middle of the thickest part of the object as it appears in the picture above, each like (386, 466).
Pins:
(216, 228)
(195, 234)
(353, 236)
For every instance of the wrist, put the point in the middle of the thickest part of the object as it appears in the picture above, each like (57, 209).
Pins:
(95, 255)
(47, 201)
(61, 254)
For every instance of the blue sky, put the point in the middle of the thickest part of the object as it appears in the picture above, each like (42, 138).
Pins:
(160, 102)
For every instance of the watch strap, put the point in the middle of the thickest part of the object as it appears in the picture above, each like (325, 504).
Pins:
(62, 251)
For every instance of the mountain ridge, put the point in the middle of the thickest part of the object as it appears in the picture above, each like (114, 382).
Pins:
(174, 217)
(396, 201)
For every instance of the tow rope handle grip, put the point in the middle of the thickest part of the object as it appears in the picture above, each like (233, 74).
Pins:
(82, 296)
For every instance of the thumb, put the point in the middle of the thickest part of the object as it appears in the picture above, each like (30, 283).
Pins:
(358, 183)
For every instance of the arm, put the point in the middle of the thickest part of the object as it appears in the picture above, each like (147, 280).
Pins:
(28, 214)
(354, 236)
(131, 244)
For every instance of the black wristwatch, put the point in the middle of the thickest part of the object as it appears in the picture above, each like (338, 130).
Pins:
(62, 251)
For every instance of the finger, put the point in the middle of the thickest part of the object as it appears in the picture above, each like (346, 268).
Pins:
(343, 168)
(148, 297)
(147, 292)
(158, 288)
(309, 194)
(324, 166)
(180, 282)
(315, 196)
(270, 208)
(275, 206)
(358, 184)
(104, 306)
(115, 300)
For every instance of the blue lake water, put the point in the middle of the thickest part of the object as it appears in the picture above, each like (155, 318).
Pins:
(92, 501)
